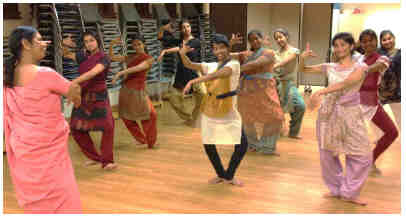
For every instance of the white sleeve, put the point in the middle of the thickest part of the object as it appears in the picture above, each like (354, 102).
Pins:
(235, 66)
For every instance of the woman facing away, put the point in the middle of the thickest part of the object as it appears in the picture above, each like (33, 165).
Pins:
(258, 101)
(341, 123)
(378, 64)
(220, 121)
(94, 113)
(36, 133)
(134, 103)
(286, 68)
(183, 74)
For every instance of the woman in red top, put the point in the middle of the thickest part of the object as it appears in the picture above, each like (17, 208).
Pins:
(134, 103)
(369, 94)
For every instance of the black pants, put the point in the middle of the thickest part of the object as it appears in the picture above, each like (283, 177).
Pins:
(238, 155)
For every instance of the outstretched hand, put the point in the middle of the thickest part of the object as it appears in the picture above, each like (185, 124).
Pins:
(236, 39)
(74, 94)
(185, 49)
(308, 52)
(187, 88)
(116, 41)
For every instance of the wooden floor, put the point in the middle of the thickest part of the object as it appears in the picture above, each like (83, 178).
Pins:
(173, 178)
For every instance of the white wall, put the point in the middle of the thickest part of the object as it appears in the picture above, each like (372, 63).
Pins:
(375, 16)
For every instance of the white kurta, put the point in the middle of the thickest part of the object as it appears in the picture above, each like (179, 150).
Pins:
(225, 130)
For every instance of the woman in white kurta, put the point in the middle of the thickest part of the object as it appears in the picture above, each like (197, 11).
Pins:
(225, 129)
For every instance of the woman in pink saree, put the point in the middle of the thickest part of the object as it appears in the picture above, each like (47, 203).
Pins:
(36, 133)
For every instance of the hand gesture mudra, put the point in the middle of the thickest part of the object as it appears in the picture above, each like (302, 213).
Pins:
(236, 39)
(308, 52)
(116, 40)
(185, 49)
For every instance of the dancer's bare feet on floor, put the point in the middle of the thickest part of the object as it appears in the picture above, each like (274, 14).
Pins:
(90, 163)
(155, 146)
(190, 123)
(375, 171)
(110, 166)
(295, 137)
(274, 154)
(357, 201)
(216, 180)
(235, 182)
(330, 195)
(251, 149)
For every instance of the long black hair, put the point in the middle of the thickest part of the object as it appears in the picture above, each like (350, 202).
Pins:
(346, 37)
(382, 34)
(15, 47)
(256, 32)
(180, 27)
(94, 35)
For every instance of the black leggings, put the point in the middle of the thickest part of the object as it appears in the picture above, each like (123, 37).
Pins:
(238, 155)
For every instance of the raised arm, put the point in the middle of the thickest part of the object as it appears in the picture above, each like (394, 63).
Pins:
(312, 68)
(352, 79)
(90, 74)
(145, 65)
(290, 58)
(381, 65)
(162, 29)
(187, 62)
(116, 58)
(268, 57)
(223, 72)
(167, 51)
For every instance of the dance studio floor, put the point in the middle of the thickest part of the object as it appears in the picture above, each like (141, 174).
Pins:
(173, 178)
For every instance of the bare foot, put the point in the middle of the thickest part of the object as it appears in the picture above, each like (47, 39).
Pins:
(216, 180)
(190, 123)
(235, 182)
(155, 146)
(110, 166)
(375, 171)
(251, 149)
(91, 163)
(274, 154)
(355, 201)
(330, 195)
(295, 137)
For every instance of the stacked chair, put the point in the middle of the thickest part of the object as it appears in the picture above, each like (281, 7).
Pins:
(71, 22)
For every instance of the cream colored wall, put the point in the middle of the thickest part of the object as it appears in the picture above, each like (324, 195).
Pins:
(259, 17)
(286, 16)
(375, 16)
(10, 24)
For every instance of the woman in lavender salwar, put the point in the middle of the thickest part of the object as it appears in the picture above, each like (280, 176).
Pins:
(341, 126)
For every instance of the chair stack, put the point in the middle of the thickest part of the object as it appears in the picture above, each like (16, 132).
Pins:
(71, 22)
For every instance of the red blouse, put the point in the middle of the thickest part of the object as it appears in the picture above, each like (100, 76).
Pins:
(137, 80)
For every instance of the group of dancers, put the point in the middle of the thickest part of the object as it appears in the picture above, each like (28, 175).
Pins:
(241, 100)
